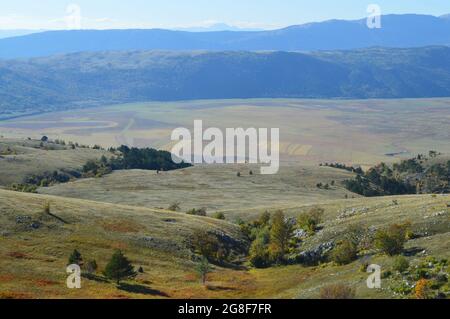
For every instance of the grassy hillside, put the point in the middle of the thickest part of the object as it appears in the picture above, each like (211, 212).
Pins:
(21, 158)
(35, 246)
(215, 187)
(34, 257)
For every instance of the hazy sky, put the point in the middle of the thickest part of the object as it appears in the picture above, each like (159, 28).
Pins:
(101, 14)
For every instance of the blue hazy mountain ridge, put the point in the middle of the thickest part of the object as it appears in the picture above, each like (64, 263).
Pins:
(216, 27)
(16, 33)
(398, 31)
(95, 78)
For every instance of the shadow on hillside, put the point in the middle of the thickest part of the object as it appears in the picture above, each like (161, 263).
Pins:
(229, 265)
(95, 278)
(219, 288)
(139, 289)
(412, 251)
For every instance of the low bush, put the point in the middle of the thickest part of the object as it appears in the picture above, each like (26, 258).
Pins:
(345, 253)
(392, 240)
(338, 291)
(310, 221)
(197, 212)
(401, 264)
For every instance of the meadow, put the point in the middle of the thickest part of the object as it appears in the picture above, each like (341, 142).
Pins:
(214, 187)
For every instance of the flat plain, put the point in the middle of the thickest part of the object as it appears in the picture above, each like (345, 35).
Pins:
(363, 132)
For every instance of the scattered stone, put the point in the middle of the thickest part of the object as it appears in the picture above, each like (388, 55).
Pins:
(351, 212)
(23, 219)
(315, 255)
(147, 238)
(300, 233)
(437, 214)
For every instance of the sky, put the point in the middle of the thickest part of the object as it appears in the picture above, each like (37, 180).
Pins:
(262, 14)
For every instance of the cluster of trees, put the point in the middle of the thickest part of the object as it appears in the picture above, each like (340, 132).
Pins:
(118, 268)
(175, 207)
(357, 170)
(276, 239)
(45, 141)
(390, 241)
(211, 250)
(209, 246)
(133, 158)
(272, 238)
(435, 180)
(50, 178)
(31, 183)
(412, 176)
(98, 168)
(379, 181)
(145, 158)
(197, 212)
(24, 188)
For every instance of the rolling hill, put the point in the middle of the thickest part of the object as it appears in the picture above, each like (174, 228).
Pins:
(397, 31)
(35, 247)
(88, 79)
(39, 232)
(21, 159)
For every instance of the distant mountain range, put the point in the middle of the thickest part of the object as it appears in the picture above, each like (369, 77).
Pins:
(86, 79)
(17, 33)
(397, 31)
(216, 27)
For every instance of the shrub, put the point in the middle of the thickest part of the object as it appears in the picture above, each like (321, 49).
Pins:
(119, 268)
(310, 220)
(91, 266)
(208, 246)
(356, 234)
(203, 268)
(219, 215)
(392, 240)
(259, 254)
(345, 253)
(338, 291)
(197, 212)
(422, 289)
(174, 207)
(401, 264)
(264, 219)
(75, 258)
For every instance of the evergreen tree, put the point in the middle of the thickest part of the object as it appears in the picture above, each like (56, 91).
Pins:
(75, 258)
(119, 268)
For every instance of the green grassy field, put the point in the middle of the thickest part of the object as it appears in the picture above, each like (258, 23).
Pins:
(351, 131)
